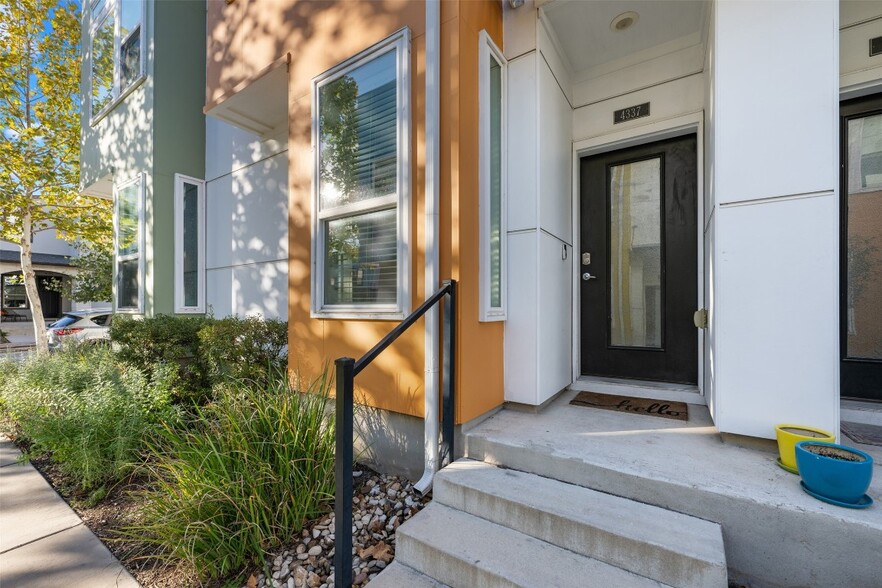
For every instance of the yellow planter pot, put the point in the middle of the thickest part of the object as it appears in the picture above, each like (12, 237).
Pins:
(789, 435)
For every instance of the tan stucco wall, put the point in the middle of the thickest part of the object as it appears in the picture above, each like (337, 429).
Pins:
(244, 38)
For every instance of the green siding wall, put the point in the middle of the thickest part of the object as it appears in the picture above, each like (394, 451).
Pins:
(178, 129)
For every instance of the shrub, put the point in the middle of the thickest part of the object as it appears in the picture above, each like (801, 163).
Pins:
(205, 351)
(244, 349)
(91, 412)
(241, 477)
(163, 340)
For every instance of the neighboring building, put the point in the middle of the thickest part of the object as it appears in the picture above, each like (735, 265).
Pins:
(197, 230)
(51, 258)
(143, 145)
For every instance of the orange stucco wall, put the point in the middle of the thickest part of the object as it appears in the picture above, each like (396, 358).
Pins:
(244, 38)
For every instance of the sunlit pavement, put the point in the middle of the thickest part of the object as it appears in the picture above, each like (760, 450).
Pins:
(43, 542)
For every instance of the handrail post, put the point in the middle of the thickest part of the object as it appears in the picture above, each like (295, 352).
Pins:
(347, 368)
(343, 473)
(449, 367)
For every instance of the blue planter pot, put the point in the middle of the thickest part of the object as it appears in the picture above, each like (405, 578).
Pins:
(839, 480)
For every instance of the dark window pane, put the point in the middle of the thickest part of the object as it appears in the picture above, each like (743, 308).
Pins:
(495, 184)
(100, 319)
(130, 59)
(864, 256)
(635, 254)
(127, 285)
(14, 295)
(361, 259)
(191, 245)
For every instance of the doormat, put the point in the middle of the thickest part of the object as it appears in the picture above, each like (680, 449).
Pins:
(862, 433)
(660, 408)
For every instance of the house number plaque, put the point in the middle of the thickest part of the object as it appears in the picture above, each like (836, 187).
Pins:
(630, 113)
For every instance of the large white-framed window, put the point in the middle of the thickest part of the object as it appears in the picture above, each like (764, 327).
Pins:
(491, 205)
(128, 241)
(361, 184)
(117, 49)
(189, 244)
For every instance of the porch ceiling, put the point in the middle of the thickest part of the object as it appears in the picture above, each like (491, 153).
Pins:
(585, 38)
(259, 104)
(103, 187)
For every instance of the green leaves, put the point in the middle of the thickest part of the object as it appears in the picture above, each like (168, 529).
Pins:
(91, 411)
(40, 136)
(40, 124)
(242, 477)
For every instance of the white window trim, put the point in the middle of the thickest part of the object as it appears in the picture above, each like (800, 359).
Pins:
(400, 43)
(488, 49)
(139, 309)
(180, 307)
(117, 93)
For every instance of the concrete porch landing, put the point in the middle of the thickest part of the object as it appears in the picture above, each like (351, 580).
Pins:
(774, 533)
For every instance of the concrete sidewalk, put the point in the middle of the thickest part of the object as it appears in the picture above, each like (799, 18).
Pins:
(43, 542)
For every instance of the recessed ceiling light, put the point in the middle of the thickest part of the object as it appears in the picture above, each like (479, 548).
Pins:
(624, 21)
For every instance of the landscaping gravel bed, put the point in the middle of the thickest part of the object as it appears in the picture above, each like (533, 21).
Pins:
(381, 503)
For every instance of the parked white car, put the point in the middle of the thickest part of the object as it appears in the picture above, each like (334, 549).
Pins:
(86, 325)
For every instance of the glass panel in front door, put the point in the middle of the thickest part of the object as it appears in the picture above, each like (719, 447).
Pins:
(864, 255)
(635, 308)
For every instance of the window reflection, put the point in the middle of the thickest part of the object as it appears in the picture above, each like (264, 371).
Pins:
(864, 254)
(635, 254)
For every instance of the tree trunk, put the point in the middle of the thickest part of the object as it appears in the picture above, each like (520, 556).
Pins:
(30, 280)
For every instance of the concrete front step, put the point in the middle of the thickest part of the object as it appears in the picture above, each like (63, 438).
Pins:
(775, 534)
(670, 547)
(462, 550)
(398, 575)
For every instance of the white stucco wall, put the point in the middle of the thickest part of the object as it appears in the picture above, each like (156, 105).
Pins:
(774, 186)
(44, 242)
(539, 330)
(247, 222)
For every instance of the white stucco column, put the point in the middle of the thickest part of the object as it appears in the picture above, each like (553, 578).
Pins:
(772, 134)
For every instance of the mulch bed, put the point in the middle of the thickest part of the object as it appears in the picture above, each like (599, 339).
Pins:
(382, 503)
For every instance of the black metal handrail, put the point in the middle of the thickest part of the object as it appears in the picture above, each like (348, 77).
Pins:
(347, 369)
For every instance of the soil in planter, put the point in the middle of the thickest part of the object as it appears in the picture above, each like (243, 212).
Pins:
(804, 433)
(833, 452)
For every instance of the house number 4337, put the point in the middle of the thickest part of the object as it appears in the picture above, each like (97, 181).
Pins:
(630, 113)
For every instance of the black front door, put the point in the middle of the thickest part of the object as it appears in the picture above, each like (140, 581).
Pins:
(50, 299)
(860, 301)
(639, 259)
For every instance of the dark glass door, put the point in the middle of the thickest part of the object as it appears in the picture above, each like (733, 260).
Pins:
(639, 286)
(861, 248)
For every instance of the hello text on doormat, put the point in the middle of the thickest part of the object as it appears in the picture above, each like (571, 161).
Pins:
(660, 408)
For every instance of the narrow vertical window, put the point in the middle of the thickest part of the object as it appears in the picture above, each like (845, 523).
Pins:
(189, 244)
(492, 69)
(360, 129)
(102, 64)
(129, 237)
(130, 42)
